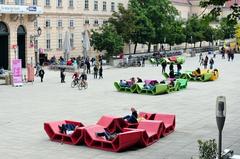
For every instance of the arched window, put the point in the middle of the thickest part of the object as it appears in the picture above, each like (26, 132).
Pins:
(3, 28)
(21, 30)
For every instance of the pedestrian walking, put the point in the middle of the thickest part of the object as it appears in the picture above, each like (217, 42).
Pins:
(88, 66)
(200, 57)
(62, 75)
(41, 74)
(205, 62)
(171, 66)
(100, 72)
(211, 62)
(179, 67)
(164, 65)
(143, 61)
(95, 71)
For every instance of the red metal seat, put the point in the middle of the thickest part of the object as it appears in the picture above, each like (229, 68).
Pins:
(54, 134)
(150, 116)
(169, 121)
(122, 141)
(111, 123)
(153, 131)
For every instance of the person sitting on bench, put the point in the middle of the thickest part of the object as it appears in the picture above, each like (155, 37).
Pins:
(133, 117)
(123, 83)
(108, 136)
(67, 128)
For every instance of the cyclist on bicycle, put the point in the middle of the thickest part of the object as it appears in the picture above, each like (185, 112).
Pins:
(75, 77)
(83, 78)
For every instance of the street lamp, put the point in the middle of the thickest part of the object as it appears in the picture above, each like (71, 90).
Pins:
(220, 117)
(33, 38)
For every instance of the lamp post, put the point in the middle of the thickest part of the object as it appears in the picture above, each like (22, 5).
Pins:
(33, 38)
(220, 117)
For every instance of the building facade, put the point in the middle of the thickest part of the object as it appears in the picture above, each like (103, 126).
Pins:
(20, 21)
(16, 26)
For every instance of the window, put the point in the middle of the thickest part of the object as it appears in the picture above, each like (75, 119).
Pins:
(105, 21)
(19, 2)
(48, 23)
(95, 22)
(71, 23)
(86, 21)
(112, 6)
(72, 40)
(59, 23)
(86, 5)
(59, 3)
(104, 6)
(60, 44)
(47, 3)
(48, 41)
(35, 24)
(34, 2)
(70, 3)
(95, 5)
(2, 1)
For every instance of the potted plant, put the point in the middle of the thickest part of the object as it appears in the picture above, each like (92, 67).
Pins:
(207, 149)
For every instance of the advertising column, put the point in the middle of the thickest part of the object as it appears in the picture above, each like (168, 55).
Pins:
(17, 72)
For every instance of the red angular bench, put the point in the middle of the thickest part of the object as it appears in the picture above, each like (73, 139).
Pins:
(111, 123)
(150, 116)
(169, 121)
(122, 141)
(153, 130)
(54, 134)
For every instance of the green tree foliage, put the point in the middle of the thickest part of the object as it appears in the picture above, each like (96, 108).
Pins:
(227, 28)
(194, 30)
(217, 9)
(106, 38)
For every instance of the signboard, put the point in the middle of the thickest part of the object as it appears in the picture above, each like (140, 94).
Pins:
(20, 9)
(17, 72)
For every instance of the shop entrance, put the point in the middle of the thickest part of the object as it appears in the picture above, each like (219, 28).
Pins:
(4, 45)
(21, 42)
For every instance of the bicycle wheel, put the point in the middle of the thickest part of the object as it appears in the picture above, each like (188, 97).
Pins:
(80, 85)
(86, 85)
(73, 84)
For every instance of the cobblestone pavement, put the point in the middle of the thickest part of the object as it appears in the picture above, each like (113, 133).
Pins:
(25, 109)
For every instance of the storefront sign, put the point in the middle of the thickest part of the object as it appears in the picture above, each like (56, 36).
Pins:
(19, 9)
(17, 72)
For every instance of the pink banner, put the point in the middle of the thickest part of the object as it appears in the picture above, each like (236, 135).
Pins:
(17, 72)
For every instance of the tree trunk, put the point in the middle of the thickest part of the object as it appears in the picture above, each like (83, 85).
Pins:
(149, 47)
(170, 47)
(200, 43)
(135, 48)
(185, 45)
(194, 45)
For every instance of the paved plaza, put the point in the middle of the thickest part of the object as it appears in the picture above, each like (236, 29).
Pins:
(25, 109)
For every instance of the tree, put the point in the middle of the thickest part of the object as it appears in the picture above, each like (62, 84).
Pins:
(228, 28)
(175, 33)
(106, 38)
(217, 8)
(237, 33)
(194, 30)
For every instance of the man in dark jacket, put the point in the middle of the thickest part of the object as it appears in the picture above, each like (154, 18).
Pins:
(41, 74)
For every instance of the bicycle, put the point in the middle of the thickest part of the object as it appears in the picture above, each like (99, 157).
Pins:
(82, 85)
(74, 83)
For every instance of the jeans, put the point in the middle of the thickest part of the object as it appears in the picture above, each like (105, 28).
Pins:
(130, 119)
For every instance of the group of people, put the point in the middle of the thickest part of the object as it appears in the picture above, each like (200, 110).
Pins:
(129, 83)
(69, 128)
(229, 51)
(171, 70)
(205, 61)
